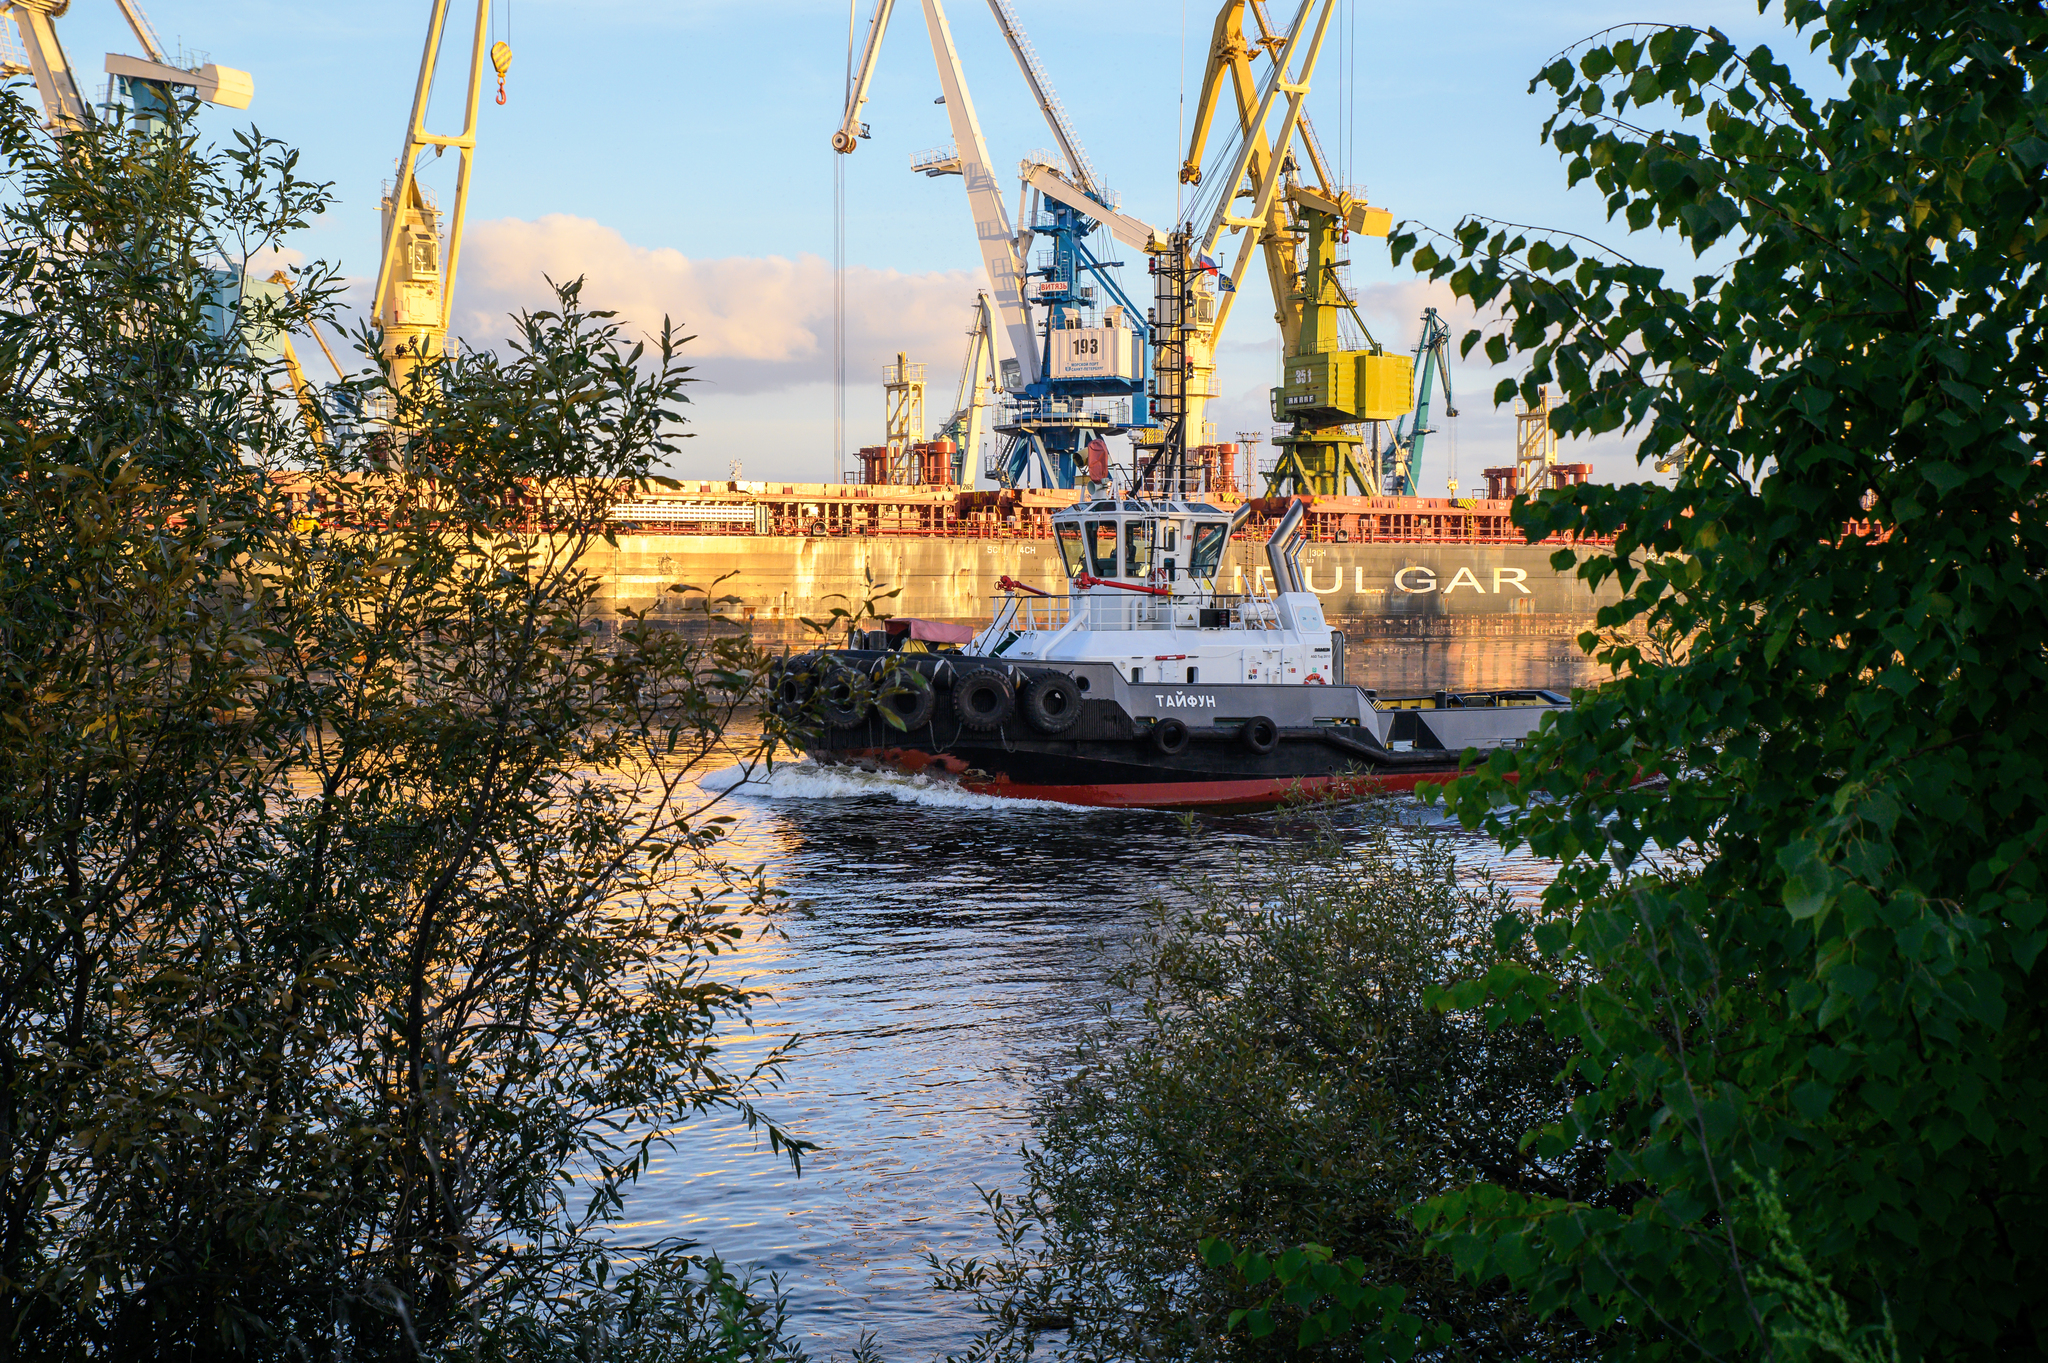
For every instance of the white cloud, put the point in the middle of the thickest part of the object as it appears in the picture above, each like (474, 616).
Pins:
(762, 323)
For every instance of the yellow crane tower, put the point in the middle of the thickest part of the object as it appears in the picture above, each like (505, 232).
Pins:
(1326, 389)
(416, 270)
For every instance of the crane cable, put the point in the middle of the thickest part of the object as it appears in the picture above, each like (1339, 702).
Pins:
(839, 279)
(501, 49)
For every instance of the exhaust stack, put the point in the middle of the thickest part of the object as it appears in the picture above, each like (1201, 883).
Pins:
(1283, 549)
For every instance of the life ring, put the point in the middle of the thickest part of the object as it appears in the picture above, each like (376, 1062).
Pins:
(1170, 737)
(903, 697)
(1051, 702)
(1314, 679)
(983, 698)
(1260, 735)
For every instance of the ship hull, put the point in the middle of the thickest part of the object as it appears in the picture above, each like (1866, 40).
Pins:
(1158, 746)
(1369, 590)
(1108, 779)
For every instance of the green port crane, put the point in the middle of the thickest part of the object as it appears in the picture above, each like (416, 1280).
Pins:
(1401, 461)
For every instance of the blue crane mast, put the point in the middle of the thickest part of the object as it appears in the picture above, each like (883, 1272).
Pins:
(1094, 346)
(1401, 460)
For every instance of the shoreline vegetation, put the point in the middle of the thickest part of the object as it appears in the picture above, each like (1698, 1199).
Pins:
(1274, 1073)
(360, 902)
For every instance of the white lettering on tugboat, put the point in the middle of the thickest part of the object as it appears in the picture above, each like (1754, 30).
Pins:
(1181, 700)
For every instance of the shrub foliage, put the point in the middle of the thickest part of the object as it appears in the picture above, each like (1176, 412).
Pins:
(1844, 1001)
(358, 899)
(1274, 1076)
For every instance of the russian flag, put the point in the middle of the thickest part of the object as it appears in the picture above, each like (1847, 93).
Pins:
(1208, 266)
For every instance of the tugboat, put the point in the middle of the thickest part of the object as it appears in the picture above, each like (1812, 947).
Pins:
(1142, 685)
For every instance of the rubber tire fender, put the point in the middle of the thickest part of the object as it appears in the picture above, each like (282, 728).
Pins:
(1260, 735)
(1169, 737)
(837, 679)
(983, 698)
(911, 698)
(1051, 702)
(791, 683)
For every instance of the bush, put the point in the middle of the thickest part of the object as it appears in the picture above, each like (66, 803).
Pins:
(357, 899)
(1276, 1075)
(1844, 1002)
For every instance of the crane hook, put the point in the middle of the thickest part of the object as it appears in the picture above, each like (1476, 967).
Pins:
(501, 58)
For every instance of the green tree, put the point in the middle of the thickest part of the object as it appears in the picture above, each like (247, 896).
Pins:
(1844, 994)
(358, 896)
(1272, 1074)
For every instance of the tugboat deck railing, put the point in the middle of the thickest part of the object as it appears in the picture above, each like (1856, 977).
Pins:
(1106, 613)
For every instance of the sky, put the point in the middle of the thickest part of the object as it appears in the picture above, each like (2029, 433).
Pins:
(676, 154)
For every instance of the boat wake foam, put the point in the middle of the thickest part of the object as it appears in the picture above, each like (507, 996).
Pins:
(804, 779)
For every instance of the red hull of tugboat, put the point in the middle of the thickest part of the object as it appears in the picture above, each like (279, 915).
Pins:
(1260, 792)
(1255, 794)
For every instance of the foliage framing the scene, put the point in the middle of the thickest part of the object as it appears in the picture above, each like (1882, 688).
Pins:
(359, 898)
(1843, 589)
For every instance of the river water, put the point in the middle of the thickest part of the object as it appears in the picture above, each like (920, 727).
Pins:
(939, 952)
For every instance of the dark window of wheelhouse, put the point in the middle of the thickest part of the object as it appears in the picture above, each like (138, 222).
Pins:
(1137, 547)
(1207, 548)
(1071, 552)
(1102, 547)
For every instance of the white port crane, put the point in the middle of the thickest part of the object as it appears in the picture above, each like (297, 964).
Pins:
(1000, 253)
(1002, 248)
(38, 53)
(979, 383)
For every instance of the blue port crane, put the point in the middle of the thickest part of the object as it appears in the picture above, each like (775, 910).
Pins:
(1401, 460)
(1079, 366)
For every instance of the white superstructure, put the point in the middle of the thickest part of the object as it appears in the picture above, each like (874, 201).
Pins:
(1142, 595)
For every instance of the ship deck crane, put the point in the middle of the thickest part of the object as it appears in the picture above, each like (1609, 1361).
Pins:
(1401, 461)
(415, 276)
(1067, 357)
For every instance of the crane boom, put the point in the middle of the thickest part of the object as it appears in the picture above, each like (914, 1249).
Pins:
(35, 20)
(999, 254)
(851, 129)
(984, 197)
(1049, 104)
(1277, 83)
(1122, 226)
(979, 383)
(139, 24)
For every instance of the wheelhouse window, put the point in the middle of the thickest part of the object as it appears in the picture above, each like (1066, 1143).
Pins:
(1207, 548)
(1071, 551)
(1102, 547)
(1137, 547)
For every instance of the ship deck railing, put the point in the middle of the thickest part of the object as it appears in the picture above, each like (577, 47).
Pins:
(1105, 613)
(930, 520)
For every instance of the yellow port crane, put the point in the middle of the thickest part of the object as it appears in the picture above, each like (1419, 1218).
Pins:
(416, 269)
(1326, 389)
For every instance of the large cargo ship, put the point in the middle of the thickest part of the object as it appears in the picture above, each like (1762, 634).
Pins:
(1382, 567)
